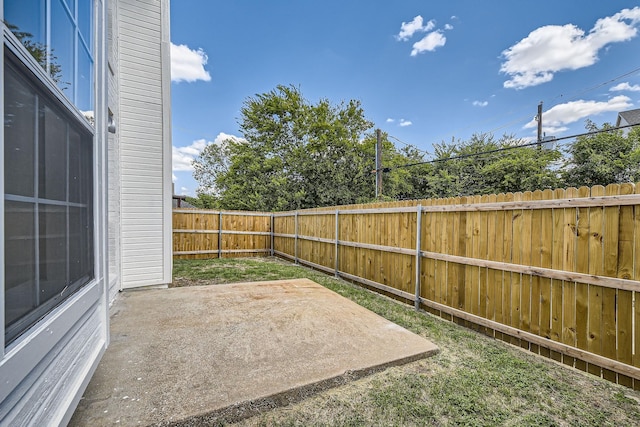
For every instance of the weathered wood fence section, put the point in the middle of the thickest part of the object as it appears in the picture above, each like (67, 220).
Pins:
(217, 234)
(556, 272)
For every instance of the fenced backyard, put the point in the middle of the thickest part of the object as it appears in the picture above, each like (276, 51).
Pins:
(555, 272)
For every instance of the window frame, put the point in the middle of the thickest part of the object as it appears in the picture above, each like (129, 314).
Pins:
(97, 161)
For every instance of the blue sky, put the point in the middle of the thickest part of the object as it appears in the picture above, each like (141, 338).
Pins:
(424, 71)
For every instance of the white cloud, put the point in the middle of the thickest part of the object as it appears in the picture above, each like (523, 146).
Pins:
(553, 48)
(408, 29)
(404, 123)
(480, 103)
(187, 64)
(390, 120)
(174, 178)
(553, 130)
(625, 86)
(556, 119)
(448, 27)
(429, 43)
(182, 157)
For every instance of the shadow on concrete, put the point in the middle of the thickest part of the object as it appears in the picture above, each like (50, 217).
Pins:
(202, 355)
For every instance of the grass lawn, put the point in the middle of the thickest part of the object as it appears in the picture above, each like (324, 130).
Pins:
(474, 380)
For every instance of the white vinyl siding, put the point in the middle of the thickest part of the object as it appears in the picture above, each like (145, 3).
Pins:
(144, 144)
(114, 152)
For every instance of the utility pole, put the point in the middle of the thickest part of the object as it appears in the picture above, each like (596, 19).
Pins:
(378, 163)
(539, 118)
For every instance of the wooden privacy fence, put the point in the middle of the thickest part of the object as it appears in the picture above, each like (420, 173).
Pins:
(209, 234)
(556, 272)
(553, 271)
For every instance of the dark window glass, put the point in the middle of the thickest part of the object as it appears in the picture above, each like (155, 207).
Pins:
(80, 167)
(20, 260)
(80, 245)
(53, 250)
(76, 164)
(19, 136)
(53, 155)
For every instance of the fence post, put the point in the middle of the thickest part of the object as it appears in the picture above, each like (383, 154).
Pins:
(295, 247)
(220, 234)
(336, 236)
(272, 237)
(418, 255)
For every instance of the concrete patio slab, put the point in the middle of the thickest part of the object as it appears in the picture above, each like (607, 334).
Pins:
(191, 356)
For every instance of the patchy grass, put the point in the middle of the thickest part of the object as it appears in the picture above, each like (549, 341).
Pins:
(474, 380)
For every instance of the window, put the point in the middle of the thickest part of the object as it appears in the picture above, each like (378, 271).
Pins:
(59, 35)
(48, 160)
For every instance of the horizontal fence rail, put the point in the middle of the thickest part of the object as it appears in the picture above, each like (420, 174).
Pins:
(205, 234)
(556, 271)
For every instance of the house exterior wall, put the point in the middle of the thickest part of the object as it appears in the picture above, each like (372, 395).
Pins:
(145, 145)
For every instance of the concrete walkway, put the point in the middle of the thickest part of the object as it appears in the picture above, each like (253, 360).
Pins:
(193, 356)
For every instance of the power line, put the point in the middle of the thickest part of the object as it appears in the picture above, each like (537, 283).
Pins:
(550, 101)
(522, 118)
(497, 150)
(409, 145)
(597, 86)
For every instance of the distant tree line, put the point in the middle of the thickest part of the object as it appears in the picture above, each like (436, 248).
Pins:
(295, 154)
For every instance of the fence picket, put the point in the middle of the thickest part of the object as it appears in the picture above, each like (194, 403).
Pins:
(582, 266)
(610, 250)
(525, 293)
(556, 263)
(499, 275)
(569, 288)
(536, 249)
(516, 258)
(624, 307)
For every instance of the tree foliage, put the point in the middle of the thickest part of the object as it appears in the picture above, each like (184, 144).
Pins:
(603, 158)
(503, 169)
(293, 155)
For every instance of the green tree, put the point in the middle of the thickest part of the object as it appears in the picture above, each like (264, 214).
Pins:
(293, 155)
(204, 201)
(603, 158)
(484, 165)
(523, 169)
